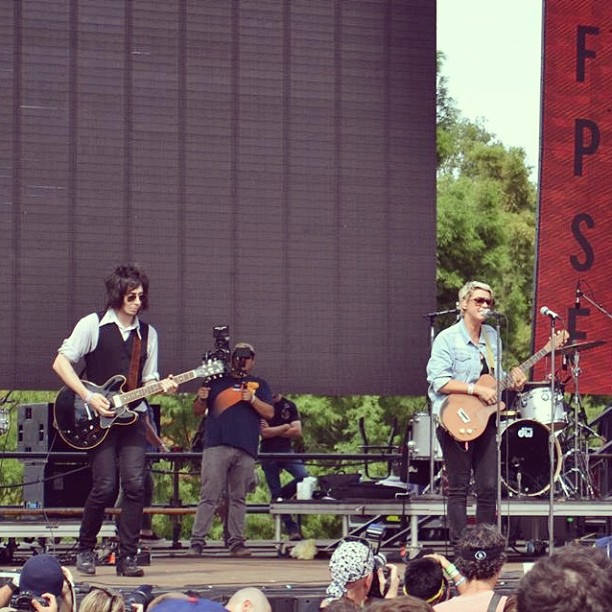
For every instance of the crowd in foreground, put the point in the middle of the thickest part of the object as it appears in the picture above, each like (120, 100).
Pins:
(574, 578)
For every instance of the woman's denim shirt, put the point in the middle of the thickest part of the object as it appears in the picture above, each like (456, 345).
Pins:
(455, 356)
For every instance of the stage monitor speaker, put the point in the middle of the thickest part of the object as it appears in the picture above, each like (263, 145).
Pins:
(35, 431)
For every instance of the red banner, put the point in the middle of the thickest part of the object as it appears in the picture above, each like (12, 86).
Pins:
(575, 208)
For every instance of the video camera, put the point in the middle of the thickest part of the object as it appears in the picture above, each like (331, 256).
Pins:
(222, 350)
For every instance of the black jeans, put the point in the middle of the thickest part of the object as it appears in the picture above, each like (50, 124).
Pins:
(481, 457)
(123, 455)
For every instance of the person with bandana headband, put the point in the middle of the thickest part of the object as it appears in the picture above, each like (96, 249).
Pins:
(481, 556)
(352, 570)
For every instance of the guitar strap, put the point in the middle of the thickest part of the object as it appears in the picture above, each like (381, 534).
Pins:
(489, 356)
(132, 380)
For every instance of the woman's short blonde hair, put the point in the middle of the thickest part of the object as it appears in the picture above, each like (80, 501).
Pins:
(466, 291)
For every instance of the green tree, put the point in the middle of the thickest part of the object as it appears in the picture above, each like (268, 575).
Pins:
(486, 211)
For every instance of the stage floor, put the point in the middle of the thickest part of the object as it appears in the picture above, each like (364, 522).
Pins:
(216, 575)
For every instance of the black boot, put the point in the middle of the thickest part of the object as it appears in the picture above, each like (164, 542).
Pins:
(127, 566)
(86, 562)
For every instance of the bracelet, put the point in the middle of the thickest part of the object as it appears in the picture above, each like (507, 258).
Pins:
(88, 397)
(253, 398)
(451, 570)
(470, 389)
(460, 581)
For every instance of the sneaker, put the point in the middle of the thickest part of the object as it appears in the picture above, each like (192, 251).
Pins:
(86, 562)
(127, 566)
(196, 549)
(240, 551)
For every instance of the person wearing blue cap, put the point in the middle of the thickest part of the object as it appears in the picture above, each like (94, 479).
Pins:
(41, 578)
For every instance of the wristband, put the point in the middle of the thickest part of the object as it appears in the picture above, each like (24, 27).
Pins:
(470, 389)
(460, 581)
(88, 397)
(451, 570)
(253, 398)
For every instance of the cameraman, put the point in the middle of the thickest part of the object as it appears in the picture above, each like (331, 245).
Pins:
(43, 585)
(235, 403)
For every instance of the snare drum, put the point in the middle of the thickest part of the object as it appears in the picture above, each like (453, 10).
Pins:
(420, 438)
(525, 462)
(534, 403)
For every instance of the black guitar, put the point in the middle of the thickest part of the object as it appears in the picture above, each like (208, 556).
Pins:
(83, 428)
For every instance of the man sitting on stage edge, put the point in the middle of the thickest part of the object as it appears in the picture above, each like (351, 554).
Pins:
(277, 435)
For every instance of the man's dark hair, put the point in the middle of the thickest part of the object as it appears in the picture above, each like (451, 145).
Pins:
(423, 578)
(572, 579)
(481, 552)
(121, 281)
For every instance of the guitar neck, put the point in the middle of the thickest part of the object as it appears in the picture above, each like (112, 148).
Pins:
(151, 389)
(525, 366)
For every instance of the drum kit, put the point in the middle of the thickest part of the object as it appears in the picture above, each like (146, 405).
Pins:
(539, 409)
(536, 412)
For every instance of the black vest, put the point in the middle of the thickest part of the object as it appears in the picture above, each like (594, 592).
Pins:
(112, 355)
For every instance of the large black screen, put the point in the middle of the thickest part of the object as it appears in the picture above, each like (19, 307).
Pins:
(270, 163)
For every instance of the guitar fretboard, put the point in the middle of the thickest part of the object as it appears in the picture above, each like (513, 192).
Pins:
(150, 389)
(525, 366)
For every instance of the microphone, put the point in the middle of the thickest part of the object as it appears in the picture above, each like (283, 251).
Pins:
(578, 295)
(491, 313)
(547, 312)
(439, 313)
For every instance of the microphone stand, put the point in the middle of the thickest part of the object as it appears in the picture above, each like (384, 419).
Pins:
(595, 304)
(498, 369)
(551, 441)
(432, 425)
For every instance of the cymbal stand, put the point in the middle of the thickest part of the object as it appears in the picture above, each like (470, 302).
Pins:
(580, 483)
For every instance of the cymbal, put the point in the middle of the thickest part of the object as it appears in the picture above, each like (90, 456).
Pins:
(580, 346)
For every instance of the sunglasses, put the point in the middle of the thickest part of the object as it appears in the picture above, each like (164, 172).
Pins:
(479, 301)
(132, 297)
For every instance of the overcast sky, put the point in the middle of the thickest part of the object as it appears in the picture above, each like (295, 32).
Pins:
(493, 62)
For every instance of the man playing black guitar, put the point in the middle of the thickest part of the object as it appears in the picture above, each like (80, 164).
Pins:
(113, 342)
(460, 355)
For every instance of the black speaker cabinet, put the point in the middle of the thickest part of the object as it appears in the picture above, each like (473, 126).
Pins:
(56, 485)
(35, 431)
(49, 483)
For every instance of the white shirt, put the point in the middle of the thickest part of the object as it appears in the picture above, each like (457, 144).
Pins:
(84, 339)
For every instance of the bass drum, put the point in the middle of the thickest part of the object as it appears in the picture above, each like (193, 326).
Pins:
(419, 440)
(534, 403)
(525, 463)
